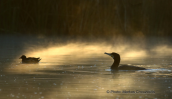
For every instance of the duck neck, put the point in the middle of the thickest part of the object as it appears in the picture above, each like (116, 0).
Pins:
(115, 64)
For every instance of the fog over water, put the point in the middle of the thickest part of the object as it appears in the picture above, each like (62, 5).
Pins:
(71, 37)
(79, 68)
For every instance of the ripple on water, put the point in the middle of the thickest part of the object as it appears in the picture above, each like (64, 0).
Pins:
(78, 80)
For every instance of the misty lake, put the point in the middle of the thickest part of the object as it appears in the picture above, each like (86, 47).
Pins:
(81, 71)
(65, 77)
(71, 37)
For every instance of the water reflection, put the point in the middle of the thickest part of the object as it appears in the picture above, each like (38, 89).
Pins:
(65, 77)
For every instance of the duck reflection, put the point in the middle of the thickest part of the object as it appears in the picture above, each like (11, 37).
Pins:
(115, 74)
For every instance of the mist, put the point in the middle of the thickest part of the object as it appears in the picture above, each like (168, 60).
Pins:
(53, 46)
(114, 25)
(132, 28)
(71, 37)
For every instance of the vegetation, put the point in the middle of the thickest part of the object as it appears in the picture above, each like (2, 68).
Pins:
(91, 18)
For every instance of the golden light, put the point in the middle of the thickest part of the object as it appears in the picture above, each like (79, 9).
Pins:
(57, 55)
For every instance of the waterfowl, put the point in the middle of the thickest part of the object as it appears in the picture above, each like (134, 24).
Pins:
(29, 59)
(117, 59)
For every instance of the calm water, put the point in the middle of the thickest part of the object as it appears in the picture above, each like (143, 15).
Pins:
(65, 77)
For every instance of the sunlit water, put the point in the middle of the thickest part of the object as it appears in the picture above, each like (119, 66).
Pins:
(64, 77)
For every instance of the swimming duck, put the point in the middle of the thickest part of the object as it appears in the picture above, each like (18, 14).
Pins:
(29, 59)
(117, 59)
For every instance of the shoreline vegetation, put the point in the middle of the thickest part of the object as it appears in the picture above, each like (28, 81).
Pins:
(85, 18)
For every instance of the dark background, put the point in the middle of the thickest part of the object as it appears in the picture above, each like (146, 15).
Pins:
(87, 18)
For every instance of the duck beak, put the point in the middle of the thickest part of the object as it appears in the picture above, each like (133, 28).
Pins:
(109, 54)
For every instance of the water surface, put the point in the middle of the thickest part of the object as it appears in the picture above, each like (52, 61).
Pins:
(67, 77)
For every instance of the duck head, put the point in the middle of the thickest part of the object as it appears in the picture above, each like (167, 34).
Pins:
(116, 58)
(23, 57)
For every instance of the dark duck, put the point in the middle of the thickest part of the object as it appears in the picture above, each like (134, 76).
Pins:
(29, 59)
(117, 59)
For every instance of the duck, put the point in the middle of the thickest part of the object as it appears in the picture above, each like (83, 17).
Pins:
(29, 59)
(115, 65)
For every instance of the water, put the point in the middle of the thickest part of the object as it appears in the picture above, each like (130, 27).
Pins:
(65, 77)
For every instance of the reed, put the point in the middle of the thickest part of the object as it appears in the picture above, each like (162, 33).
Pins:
(86, 17)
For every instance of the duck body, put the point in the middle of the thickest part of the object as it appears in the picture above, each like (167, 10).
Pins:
(127, 67)
(117, 59)
(29, 59)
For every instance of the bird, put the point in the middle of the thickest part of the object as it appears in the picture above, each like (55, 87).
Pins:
(117, 59)
(29, 59)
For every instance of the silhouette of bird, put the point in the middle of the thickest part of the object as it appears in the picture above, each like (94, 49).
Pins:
(117, 59)
(29, 59)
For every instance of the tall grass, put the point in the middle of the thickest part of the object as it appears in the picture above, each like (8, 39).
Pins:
(86, 17)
